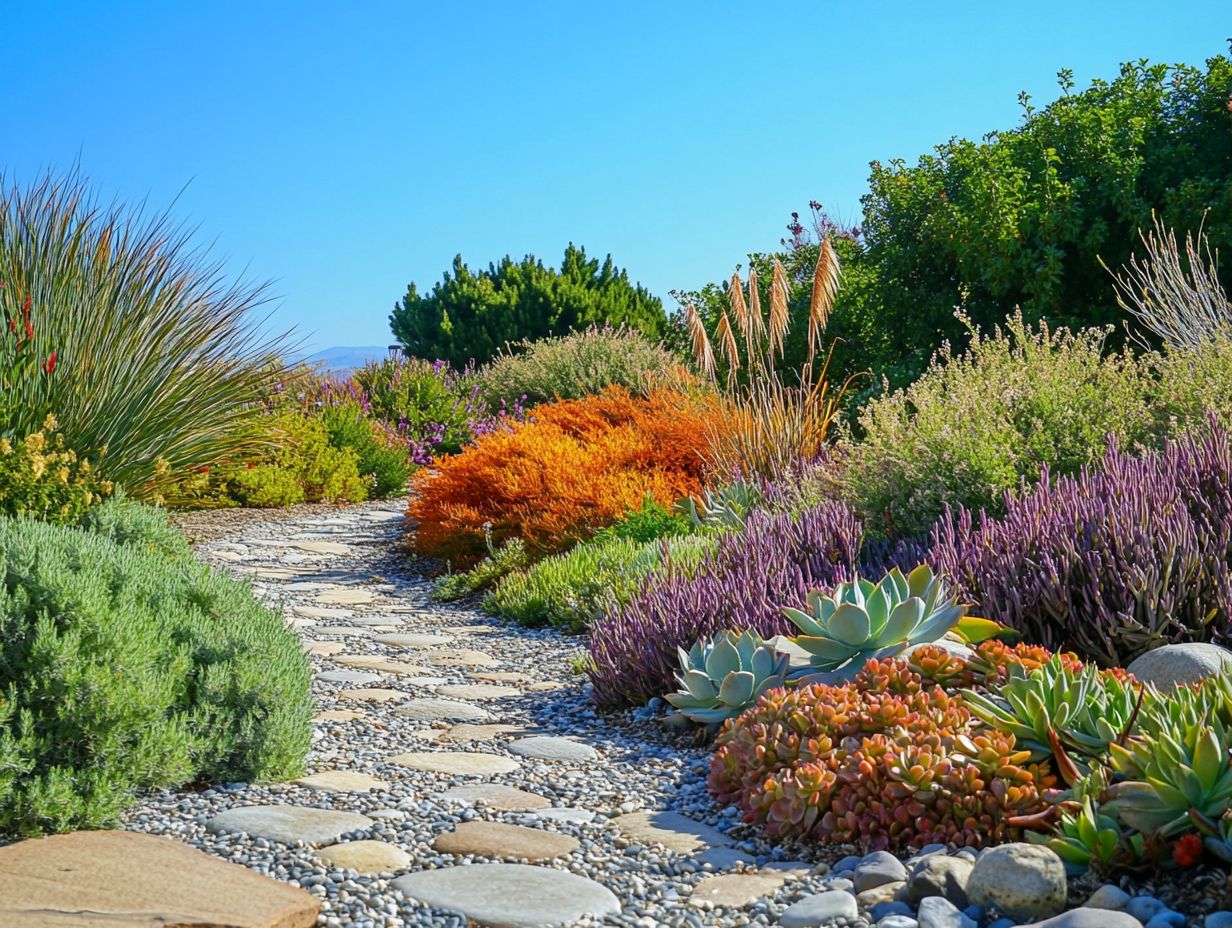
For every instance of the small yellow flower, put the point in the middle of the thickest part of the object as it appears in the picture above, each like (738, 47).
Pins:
(62, 475)
(6, 446)
(35, 441)
(162, 467)
(106, 487)
(89, 498)
(50, 424)
(85, 466)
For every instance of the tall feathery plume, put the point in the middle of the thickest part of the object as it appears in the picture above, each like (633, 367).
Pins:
(735, 296)
(701, 342)
(826, 278)
(727, 345)
(757, 325)
(778, 306)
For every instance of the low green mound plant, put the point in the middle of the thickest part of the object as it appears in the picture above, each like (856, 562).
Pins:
(123, 669)
(380, 458)
(130, 523)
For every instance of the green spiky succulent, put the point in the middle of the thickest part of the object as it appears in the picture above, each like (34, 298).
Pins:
(720, 677)
(1086, 835)
(1084, 708)
(724, 508)
(861, 620)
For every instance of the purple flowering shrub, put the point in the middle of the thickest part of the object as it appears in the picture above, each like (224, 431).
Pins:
(1109, 563)
(772, 562)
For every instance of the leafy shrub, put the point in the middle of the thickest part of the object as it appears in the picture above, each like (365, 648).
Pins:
(573, 366)
(137, 526)
(155, 353)
(43, 479)
(649, 523)
(1192, 384)
(742, 584)
(500, 562)
(1112, 562)
(469, 317)
(883, 762)
(979, 423)
(429, 405)
(379, 457)
(122, 669)
(578, 466)
(574, 589)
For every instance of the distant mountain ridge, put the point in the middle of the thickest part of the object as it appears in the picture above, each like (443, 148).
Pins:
(341, 360)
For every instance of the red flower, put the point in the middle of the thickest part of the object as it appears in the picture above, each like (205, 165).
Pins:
(1187, 851)
(49, 366)
(203, 469)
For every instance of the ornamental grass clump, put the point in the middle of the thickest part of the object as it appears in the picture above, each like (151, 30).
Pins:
(125, 666)
(576, 467)
(156, 356)
(1111, 562)
(775, 560)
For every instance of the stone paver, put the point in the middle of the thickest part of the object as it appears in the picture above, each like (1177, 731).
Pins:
(428, 709)
(324, 648)
(736, 889)
(406, 640)
(460, 657)
(288, 824)
(545, 747)
(467, 731)
(122, 878)
(323, 547)
(511, 895)
(366, 856)
(497, 796)
(456, 763)
(349, 676)
(674, 831)
(479, 691)
(341, 631)
(345, 597)
(381, 663)
(339, 715)
(372, 694)
(340, 781)
(494, 839)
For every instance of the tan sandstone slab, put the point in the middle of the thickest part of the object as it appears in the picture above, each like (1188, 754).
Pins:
(468, 731)
(121, 879)
(503, 676)
(412, 640)
(736, 890)
(460, 657)
(321, 612)
(497, 796)
(456, 763)
(345, 597)
(322, 547)
(384, 664)
(324, 648)
(514, 842)
(340, 631)
(340, 781)
(674, 831)
(478, 691)
(366, 856)
(339, 715)
(372, 694)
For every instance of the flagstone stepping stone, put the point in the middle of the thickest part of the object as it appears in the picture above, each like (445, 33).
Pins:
(305, 586)
(736, 890)
(497, 796)
(544, 686)
(277, 573)
(365, 856)
(478, 691)
(345, 597)
(674, 831)
(466, 731)
(324, 648)
(407, 640)
(323, 547)
(372, 695)
(384, 622)
(341, 631)
(341, 781)
(503, 676)
(230, 556)
(380, 662)
(339, 715)
(125, 878)
(321, 612)
(494, 839)
(510, 895)
(573, 816)
(349, 676)
(548, 747)
(461, 657)
(456, 763)
(383, 516)
(424, 681)
(428, 709)
(288, 824)
(470, 629)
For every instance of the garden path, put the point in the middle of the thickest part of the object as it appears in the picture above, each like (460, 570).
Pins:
(458, 770)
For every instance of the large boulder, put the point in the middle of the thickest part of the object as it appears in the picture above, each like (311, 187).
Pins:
(1026, 882)
(132, 880)
(1181, 663)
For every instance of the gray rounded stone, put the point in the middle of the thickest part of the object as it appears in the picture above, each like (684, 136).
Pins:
(1109, 896)
(288, 824)
(456, 763)
(674, 831)
(510, 895)
(1024, 881)
(1089, 918)
(349, 676)
(940, 875)
(546, 747)
(877, 869)
(938, 912)
(820, 909)
(429, 709)
(1181, 663)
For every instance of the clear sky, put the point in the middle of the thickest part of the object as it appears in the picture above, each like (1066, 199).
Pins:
(343, 149)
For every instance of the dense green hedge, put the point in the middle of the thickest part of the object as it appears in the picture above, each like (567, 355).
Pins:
(125, 665)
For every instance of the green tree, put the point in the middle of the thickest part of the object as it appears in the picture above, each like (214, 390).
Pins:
(470, 316)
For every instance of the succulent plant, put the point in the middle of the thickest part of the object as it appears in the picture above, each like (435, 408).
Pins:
(1086, 836)
(860, 620)
(1059, 708)
(725, 507)
(720, 677)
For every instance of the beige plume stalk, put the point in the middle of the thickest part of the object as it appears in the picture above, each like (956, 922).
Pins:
(778, 306)
(826, 278)
(702, 351)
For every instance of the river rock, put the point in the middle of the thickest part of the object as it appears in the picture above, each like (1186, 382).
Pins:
(1173, 664)
(940, 875)
(1024, 881)
(820, 909)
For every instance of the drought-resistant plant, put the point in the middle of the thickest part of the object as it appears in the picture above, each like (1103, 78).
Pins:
(578, 466)
(649, 523)
(977, 424)
(24, 363)
(883, 762)
(1109, 563)
(470, 316)
(429, 405)
(777, 558)
(305, 467)
(725, 507)
(155, 355)
(500, 562)
(574, 365)
(381, 458)
(122, 669)
(860, 620)
(41, 478)
(720, 677)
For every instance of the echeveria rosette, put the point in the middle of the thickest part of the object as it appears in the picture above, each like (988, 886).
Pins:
(722, 676)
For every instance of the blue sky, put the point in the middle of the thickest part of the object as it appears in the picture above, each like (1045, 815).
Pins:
(342, 150)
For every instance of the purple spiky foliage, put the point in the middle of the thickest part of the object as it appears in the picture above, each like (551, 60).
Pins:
(774, 561)
(1109, 563)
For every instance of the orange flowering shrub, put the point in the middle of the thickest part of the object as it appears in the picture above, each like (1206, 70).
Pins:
(576, 467)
